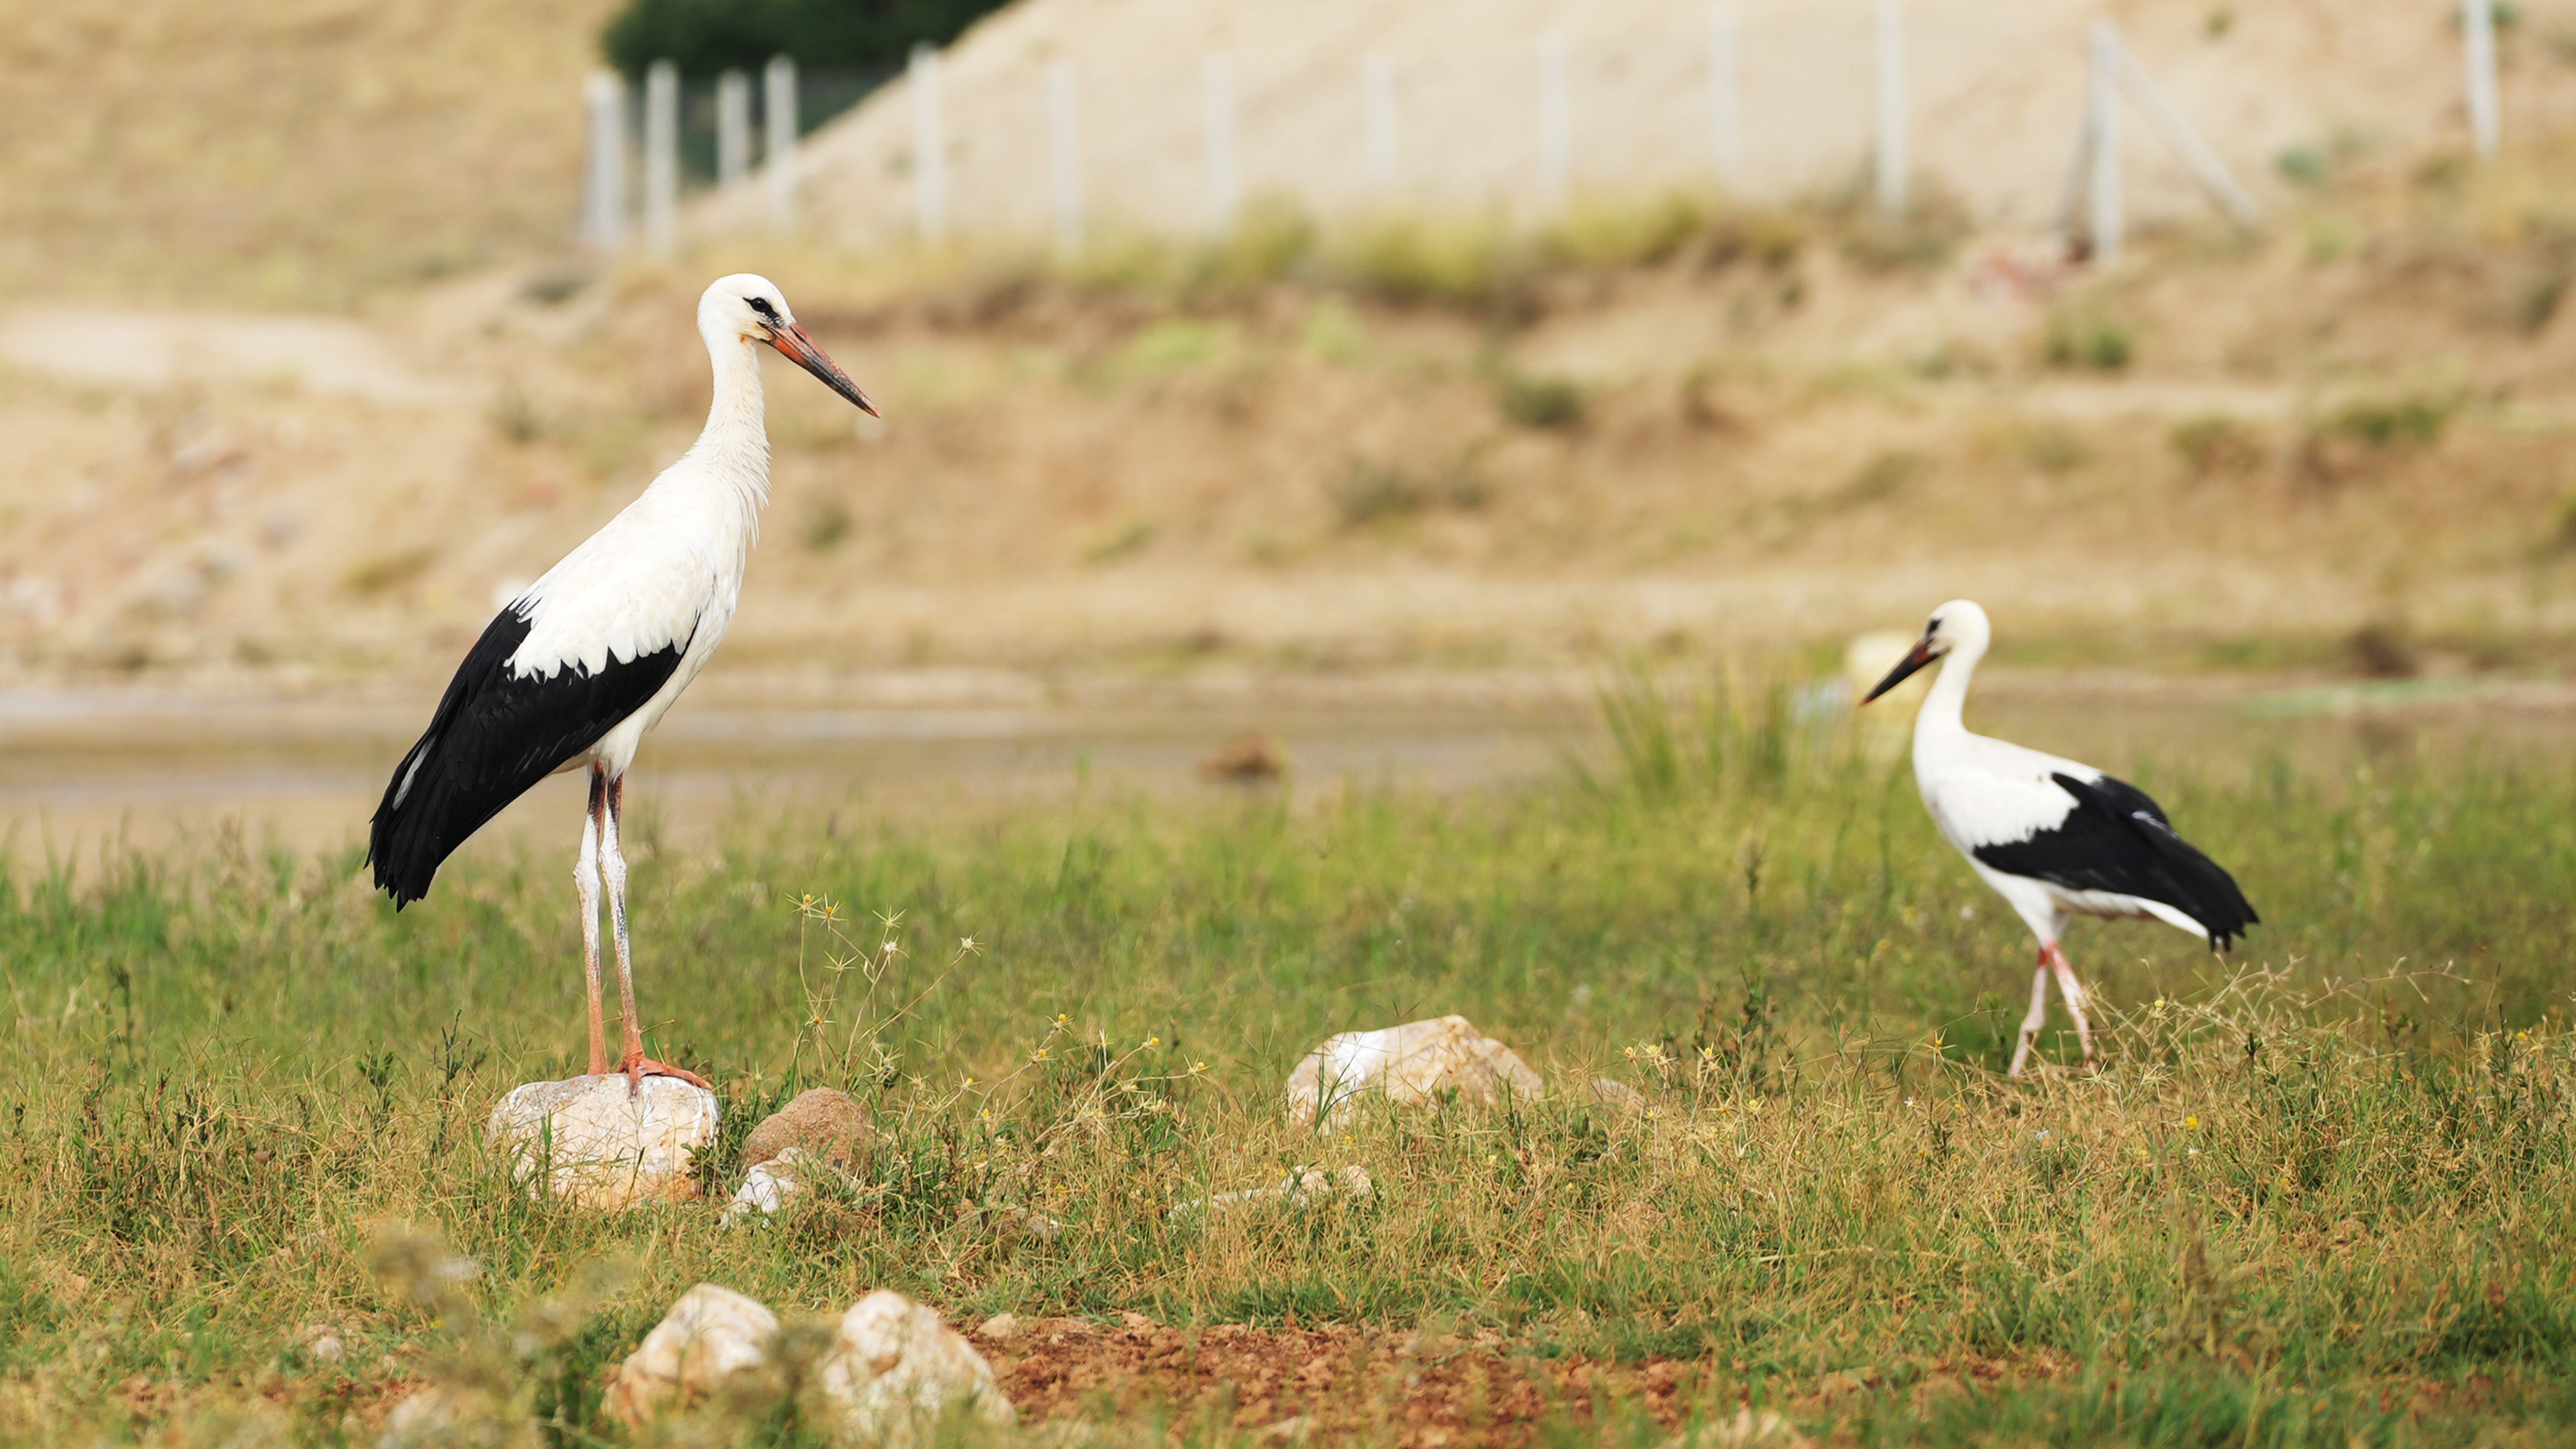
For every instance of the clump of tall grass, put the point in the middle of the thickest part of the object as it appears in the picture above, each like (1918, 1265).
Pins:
(1725, 734)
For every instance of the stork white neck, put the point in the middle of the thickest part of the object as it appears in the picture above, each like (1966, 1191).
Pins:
(1964, 626)
(737, 431)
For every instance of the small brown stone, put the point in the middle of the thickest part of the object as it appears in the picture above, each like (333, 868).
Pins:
(822, 1121)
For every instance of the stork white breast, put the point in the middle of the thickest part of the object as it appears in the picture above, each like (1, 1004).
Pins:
(622, 594)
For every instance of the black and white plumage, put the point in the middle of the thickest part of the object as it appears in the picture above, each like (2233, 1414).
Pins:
(576, 669)
(2054, 837)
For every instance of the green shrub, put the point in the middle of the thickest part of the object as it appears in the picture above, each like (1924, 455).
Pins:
(2080, 337)
(1539, 402)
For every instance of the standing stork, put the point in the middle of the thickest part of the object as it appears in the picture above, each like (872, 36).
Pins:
(576, 668)
(2053, 837)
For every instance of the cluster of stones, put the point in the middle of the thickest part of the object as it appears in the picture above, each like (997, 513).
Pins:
(892, 1368)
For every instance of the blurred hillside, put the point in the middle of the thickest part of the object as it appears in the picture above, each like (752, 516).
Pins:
(288, 154)
(1994, 91)
(1429, 437)
(2341, 447)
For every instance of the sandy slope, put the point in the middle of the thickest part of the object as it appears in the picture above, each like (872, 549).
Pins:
(1995, 90)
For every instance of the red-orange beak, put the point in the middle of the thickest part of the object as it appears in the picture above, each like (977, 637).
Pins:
(1915, 658)
(796, 347)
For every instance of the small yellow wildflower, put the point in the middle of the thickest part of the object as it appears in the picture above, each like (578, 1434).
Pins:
(2191, 1124)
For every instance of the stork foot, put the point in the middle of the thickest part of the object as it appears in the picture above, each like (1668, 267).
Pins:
(638, 1066)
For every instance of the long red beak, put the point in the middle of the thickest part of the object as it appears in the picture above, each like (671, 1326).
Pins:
(1915, 658)
(796, 347)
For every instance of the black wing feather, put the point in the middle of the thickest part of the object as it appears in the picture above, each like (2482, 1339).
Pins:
(494, 736)
(2117, 839)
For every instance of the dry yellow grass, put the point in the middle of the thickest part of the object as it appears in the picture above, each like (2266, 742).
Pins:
(296, 154)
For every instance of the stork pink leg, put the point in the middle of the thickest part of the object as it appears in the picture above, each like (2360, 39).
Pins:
(2054, 958)
(2038, 1017)
(635, 1064)
(585, 880)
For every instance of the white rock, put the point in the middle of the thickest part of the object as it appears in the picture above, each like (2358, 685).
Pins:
(894, 1371)
(591, 1142)
(1304, 1185)
(768, 1186)
(1745, 1431)
(1414, 1063)
(443, 1416)
(1000, 1328)
(710, 1335)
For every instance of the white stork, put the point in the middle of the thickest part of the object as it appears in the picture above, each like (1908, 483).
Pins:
(576, 668)
(2053, 837)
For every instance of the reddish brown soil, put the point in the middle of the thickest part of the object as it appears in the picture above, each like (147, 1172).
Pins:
(1324, 1383)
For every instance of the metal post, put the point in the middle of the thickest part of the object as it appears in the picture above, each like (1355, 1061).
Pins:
(2477, 33)
(1222, 184)
(1064, 152)
(929, 147)
(603, 200)
(662, 157)
(1555, 143)
(2105, 102)
(1377, 93)
(733, 127)
(1725, 118)
(778, 156)
(1891, 159)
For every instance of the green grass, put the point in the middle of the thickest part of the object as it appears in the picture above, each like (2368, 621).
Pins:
(2321, 1196)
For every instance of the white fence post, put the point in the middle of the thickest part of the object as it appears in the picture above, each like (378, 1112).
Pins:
(1377, 92)
(2477, 35)
(1555, 125)
(1064, 155)
(1725, 116)
(733, 127)
(778, 155)
(1892, 164)
(603, 199)
(1223, 186)
(2104, 99)
(662, 157)
(929, 147)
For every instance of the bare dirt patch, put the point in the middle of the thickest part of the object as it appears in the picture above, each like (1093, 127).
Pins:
(1407, 1387)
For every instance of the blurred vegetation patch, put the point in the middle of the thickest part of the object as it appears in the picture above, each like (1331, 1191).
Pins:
(2080, 336)
(1121, 543)
(828, 526)
(1414, 261)
(1924, 237)
(1274, 237)
(1626, 236)
(2215, 444)
(1371, 492)
(387, 572)
(1539, 402)
(2055, 449)
(2393, 422)
(1885, 475)
(1175, 344)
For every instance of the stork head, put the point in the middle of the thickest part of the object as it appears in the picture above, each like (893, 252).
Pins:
(750, 306)
(1956, 626)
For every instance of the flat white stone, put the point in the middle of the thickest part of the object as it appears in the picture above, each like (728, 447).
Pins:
(894, 1371)
(1303, 1185)
(595, 1144)
(709, 1335)
(1415, 1064)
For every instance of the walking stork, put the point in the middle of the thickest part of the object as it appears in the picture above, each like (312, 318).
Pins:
(2053, 837)
(576, 668)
